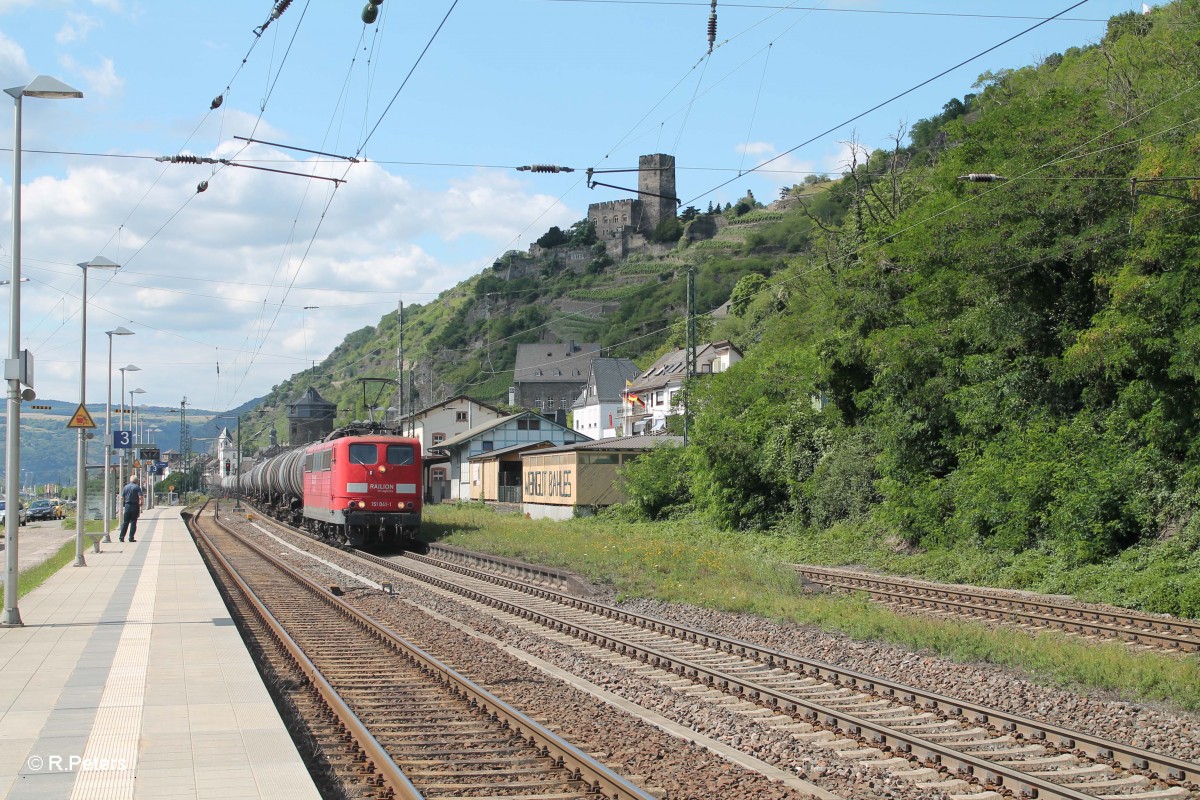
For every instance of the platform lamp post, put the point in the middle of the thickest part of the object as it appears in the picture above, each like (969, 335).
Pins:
(51, 89)
(133, 422)
(121, 421)
(108, 493)
(152, 433)
(99, 262)
(137, 433)
(137, 416)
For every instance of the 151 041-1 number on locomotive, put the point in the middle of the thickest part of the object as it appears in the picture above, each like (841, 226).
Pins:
(353, 488)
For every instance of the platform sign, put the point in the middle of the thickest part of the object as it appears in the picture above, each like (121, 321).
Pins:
(122, 440)
(148, 453)
(81, 418)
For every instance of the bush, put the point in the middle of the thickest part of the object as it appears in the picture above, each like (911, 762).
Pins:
(657, 485)
(667, 231)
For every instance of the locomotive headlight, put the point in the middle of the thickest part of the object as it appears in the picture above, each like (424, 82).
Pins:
(382, 468)
(362, 504)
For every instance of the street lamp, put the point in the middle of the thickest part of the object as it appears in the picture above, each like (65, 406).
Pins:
(124, 369)
(108, 495)
(99, 262)
(133, 422)
(152, 433)
(137, 417)
(51, 89)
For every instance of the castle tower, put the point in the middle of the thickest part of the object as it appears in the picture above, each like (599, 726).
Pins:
(656, 176)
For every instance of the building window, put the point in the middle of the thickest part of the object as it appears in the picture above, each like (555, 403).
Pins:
(437, 474)
(438, 438)
(487, 446)
(460, 416)
(529, 424)
(658, 398)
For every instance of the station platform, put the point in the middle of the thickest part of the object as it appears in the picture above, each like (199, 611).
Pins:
(130, 680)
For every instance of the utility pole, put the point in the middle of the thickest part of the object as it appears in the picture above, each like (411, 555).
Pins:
(690, 352)
(400, 367)
(185, 438)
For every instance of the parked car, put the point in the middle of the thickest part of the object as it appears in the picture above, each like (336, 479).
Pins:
(40, 509)
(21, 516)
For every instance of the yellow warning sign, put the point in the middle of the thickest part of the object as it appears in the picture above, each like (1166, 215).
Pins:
(81, 418)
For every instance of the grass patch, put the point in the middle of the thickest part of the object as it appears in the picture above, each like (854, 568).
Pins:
(686, 561)
(34, 577)
(92, 525)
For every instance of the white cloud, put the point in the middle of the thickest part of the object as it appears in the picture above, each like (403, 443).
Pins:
(76, 28)
(102, 80)
(206, 276)
(786, 168)
(13, 66)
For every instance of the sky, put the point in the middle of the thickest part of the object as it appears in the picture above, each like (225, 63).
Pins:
(231, 290)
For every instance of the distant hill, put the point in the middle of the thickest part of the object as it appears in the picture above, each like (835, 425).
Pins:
(49, 447)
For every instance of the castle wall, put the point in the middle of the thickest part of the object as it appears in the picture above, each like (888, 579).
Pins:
(613, 218)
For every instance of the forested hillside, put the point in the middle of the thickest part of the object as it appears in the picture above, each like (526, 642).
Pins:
(1010, 364)
(936, 362)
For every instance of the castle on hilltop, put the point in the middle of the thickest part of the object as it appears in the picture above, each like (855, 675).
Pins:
(624, 225)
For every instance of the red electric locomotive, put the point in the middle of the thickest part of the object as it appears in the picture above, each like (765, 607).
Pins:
(363, 489)
(357, 487)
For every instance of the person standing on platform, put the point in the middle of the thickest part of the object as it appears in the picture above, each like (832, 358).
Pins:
(131, 501)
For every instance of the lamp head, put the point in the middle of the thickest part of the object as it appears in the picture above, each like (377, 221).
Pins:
(45, 87)
(99, 262)
(120, 331)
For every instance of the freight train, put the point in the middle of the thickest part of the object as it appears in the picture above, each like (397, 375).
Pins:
(358, 487)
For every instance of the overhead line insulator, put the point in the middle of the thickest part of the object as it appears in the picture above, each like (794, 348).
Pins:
(370, 11)
(712, 26)
(545, 168)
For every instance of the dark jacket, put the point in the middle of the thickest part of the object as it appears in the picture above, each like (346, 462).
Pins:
(131, 495)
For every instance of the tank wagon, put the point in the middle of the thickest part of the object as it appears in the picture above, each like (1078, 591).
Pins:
(354, 488)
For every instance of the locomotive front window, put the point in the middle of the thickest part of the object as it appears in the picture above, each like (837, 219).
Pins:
(400, 454)
(363, 454)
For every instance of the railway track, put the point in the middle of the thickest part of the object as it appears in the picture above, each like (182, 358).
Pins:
(852, 714)
(936, 742)
(1169, 633)
(412, 727)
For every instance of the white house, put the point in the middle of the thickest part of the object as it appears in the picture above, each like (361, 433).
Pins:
(598, 410)
(650, 397)
(445, 420)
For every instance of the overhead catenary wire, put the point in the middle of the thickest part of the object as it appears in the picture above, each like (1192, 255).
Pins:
(896, 97)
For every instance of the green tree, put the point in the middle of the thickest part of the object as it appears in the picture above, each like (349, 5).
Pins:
(582, 233)
(553, 237)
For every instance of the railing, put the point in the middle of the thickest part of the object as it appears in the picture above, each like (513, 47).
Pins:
(508, 494)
